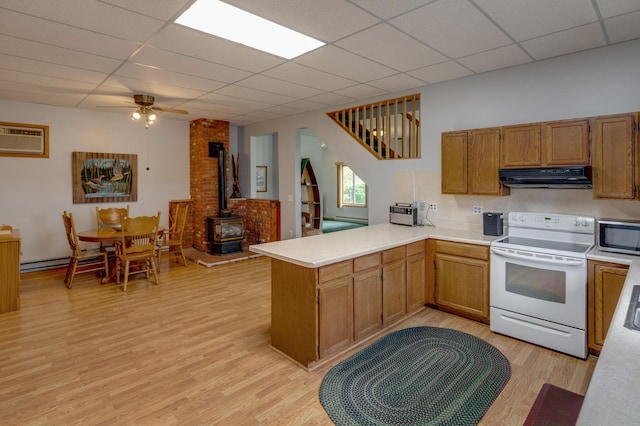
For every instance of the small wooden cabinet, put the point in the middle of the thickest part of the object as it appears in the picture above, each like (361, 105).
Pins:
(605, 282)
(521, 146)
(367, 295)
(614, 157)
(394, 284)
(470, 162)
(416, 276)
(10, 272)
(335, 314)
(460, 278)
(565, 143)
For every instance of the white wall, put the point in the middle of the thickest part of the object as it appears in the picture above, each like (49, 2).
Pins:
(35, 191)
(595, 82)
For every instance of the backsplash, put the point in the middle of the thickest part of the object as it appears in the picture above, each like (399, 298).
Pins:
(456, 211)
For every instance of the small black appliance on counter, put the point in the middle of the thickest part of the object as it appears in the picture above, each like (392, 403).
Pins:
(492, 224)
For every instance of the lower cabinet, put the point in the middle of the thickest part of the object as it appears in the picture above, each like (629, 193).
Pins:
(460, 278)
(604, 285)
(319, 312)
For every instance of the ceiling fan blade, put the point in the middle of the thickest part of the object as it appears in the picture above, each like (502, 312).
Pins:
(113, 106)
(176, 111)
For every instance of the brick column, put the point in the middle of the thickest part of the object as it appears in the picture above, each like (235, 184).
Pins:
(204, 174)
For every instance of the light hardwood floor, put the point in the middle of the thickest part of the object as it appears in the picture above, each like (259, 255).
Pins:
(195, 350)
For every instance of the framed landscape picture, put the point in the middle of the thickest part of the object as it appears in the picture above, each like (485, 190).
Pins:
(104, 177)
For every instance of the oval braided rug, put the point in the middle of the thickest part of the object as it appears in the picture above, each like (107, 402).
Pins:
(416, 376)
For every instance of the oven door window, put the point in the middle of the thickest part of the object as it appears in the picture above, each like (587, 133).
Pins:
(541, 284)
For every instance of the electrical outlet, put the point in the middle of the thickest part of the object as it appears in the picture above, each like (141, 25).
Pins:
(433, 207)
(477, 209)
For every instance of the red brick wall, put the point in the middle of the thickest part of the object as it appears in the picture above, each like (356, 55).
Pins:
(257, 214)
(204, 174)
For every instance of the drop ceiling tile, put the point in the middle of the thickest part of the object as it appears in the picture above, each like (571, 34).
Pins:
(454, 27)
(158, 89)
(337, 61)
(273, 85)
(326, 20)
(396, 83)
(25, 93)
(221, 99)
(330, 98)
(609, 8)
(51, 33)
(46, 83)
(56, 55)
(304, 105)
(283, 110)
(624, 27)
(449, 70)
(201, 105)
(48, 69)
(388, 45)
(526, 19)
(150, 74)
(179, 39)
(306, 76)
(262, 115)
(565, 42)
(171, 61)
(502, 57)
(93, 16)
(161, 9)
(386, 9)
(363, 91)
(258, 95)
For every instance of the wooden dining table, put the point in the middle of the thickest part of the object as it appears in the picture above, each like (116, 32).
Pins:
(106, 235)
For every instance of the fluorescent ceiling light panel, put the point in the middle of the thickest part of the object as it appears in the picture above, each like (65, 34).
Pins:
(223, 20)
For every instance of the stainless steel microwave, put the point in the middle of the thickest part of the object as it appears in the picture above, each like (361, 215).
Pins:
(620, 236)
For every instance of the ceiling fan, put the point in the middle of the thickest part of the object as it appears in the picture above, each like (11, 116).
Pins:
(144, 108)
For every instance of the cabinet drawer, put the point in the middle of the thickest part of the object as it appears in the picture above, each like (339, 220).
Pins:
(462, 249)
(393, 254)
(415, 248)
(335, 270)
(366, 262)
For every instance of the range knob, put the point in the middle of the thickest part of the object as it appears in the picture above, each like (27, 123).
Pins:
(584, 223)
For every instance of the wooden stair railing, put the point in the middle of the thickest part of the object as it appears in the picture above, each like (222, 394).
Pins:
(389, 130)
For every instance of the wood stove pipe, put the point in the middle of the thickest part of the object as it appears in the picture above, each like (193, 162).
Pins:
(216, 150)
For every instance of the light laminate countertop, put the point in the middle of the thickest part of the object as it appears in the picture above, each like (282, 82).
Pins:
(324, 249)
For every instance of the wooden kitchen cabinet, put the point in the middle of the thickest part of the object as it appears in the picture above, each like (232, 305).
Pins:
(460, 281)
(10, 272)
(614, 157)
(335, 315)
(367, 295)
(470, 162)
(565, 143)
(416, 276)
(394, 285)
(521, 146)
(605, 282)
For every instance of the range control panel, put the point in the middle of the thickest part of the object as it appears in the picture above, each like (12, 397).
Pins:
(552, 221)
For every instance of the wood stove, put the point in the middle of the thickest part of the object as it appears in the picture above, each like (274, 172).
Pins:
(225, 234)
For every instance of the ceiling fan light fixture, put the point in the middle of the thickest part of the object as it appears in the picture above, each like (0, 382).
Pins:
(151, 116)
(135, 115)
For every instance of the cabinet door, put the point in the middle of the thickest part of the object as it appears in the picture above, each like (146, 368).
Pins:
(335, 316)
(565, 143)
(394, 291)
(521, 146)
(483, 163)
(605, 285)
(462, 284)
(367, 302)
(416, 282)
(454, 162)
(613, 157)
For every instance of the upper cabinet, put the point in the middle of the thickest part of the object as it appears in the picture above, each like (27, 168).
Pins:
(470, 162)
(614, 151)
(548, 144)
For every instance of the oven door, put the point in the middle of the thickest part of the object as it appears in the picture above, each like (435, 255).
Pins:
(548, 287)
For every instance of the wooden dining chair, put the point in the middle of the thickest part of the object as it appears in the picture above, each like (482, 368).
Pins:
(81, 260)
(110, 217)
(170, 242)
(136, 252)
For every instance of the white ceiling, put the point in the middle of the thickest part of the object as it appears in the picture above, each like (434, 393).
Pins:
(85, 53)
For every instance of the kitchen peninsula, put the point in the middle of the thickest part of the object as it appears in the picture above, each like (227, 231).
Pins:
(333, 291)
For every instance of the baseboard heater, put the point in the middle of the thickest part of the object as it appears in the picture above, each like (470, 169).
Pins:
(349, 219)
(41, 265)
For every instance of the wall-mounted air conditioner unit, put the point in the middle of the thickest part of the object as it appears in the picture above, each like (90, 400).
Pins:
(24, 140)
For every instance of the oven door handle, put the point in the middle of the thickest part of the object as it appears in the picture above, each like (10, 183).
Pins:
(536, 259)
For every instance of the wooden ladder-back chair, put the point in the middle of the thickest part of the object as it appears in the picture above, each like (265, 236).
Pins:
(110, 218)
(171, 240)
(81, 260)
(137, 247)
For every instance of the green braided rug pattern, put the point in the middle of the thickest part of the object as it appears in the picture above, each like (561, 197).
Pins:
(416, 376)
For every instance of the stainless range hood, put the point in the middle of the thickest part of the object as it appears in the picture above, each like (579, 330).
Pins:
(547, 177)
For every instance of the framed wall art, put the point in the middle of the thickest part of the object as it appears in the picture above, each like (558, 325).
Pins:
(261, 178)
(104, 178)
